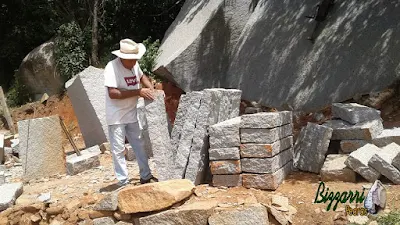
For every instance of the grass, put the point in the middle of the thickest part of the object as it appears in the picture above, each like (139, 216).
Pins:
(393, 218)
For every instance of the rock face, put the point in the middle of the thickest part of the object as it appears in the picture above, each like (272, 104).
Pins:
(334, 169)
(154, 196)
(38, 72)
(255, 214)
(214, 38)
(9, 193)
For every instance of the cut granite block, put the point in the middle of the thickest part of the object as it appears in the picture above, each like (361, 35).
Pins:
(225, 167)
(229, 104)
(227, 180)
(179, 120)
(396, 161)
(265, 150)
(358, 161)
(382, 162)
(224, 154)
(387, 136)
(311, 147)
(88, 159)
(265, 136)
(334, 169)
(225, 134)
(266, 181)
(354, 113)
(348, 146)
(266, 119)
(267, 165)
(362, 131)
(9, 193)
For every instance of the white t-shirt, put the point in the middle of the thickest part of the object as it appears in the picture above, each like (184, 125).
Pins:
(121, 111)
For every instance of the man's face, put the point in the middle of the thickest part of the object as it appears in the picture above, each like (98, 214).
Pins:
(128, 63)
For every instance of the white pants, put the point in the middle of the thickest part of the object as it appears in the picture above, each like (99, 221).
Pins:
(117, 135)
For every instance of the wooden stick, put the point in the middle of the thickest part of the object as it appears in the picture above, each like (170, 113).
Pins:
(78, 153)
(6, 111)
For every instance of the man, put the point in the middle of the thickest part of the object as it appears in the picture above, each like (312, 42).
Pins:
(122, 80)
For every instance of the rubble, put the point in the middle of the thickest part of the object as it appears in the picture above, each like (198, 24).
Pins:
(103, 221)
(334, 169)
(358, 161)
(354, 113)
(382, 162)
(108, 203)
(88, 159)
(9, 193)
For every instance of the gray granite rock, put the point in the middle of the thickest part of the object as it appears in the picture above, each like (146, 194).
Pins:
(242, 215)
(179, 120)
(144, 127)
(362, 131)
(358, 161)
(9, 193)
(266, 119)
(88, 159)
(387, 136)
(225, 134)
(396, 161)
(225, 167)
(103, 221)
(311, 147)
(108, 203)
(265, 150)
(334, 169)
(224, 153)
(382, 162)
(265, 136)
(227, 180)
(348, 146)
(267, 165)
(354, 113)
(2, 153)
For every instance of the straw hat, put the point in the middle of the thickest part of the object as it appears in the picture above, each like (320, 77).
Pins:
(130, 50)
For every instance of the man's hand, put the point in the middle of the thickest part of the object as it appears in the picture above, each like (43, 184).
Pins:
(147, 93)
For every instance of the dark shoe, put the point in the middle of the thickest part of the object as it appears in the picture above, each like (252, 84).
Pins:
(150, 180)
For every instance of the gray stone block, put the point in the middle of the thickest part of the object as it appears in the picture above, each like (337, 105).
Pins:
(265, 150)
(266, 181)
(143, 124)
(265, 136)
(103, 221)
(311, 147)
(87, 94)
(382, 162)
(224, 153)
(225, 167)
(230, 104)
(362, 131)
(2, 177)
(41, 149)
(179, 120)
(225, 134)
(247, 214)
(334, 169)
(88, 159)
(160, 138)
(227, 180)
(2, 153)
(266, 119)
(348, 146)
(358, 161)
(267, 165)
(387, 136)
(396, 161)
(354, 113)
(108, 203)
(9, 193)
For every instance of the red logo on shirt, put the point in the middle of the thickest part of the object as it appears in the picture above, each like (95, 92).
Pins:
(130, 81)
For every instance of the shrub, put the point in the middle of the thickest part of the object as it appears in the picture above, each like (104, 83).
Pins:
(17, 94)
(148, 61)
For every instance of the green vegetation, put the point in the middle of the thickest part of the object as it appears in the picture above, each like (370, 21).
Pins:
(148, 61)
(393, 218)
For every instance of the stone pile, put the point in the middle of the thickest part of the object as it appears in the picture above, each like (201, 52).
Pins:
(254, 150)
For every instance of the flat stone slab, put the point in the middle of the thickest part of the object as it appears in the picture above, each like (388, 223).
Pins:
(311, 147)
(225, 134)
(227, 180)
(9, 193)
(348, 146)
(265, 136)
(358, 162)
(225, 167)
(265, 150)
(88, 159)
(266, 119)
(267, 181)
(267, 165)
(41, 149)
(334, 169)
(354, 113)
(255, 214)
(382, 162)
(362, 131)
(224, 154)
(387, 136)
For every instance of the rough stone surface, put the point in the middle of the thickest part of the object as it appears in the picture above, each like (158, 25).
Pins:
(265, 150)
(387, 136)
(396, 161)
(2, 177)
(225, 167)
(179, 120)
(108, 203)
(84, 90)
(154, 196)
(348, 146)
(265, 136)
(42, 154)
(224, 154)
(358, 161)
(225, 134)
(129, 153)
(255, 214)
(311, 147)
(160, 140)
(89, 158)
(362, 131)
(354, 113)
(229, 105)
(334, 169)
(267, 165)
(105, 147)
(227, 180)
(2, 159)
(195, 213)
(9, 193)
(266, 181)
(103, 221)
(266, 119)
(382, 162)
(144, 127)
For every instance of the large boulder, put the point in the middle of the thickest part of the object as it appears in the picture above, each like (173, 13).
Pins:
(38, 72)
(255, 45)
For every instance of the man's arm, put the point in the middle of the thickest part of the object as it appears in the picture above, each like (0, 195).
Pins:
(116, 93)
(146, 82)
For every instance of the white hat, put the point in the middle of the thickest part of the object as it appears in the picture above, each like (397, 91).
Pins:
(129, 49)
